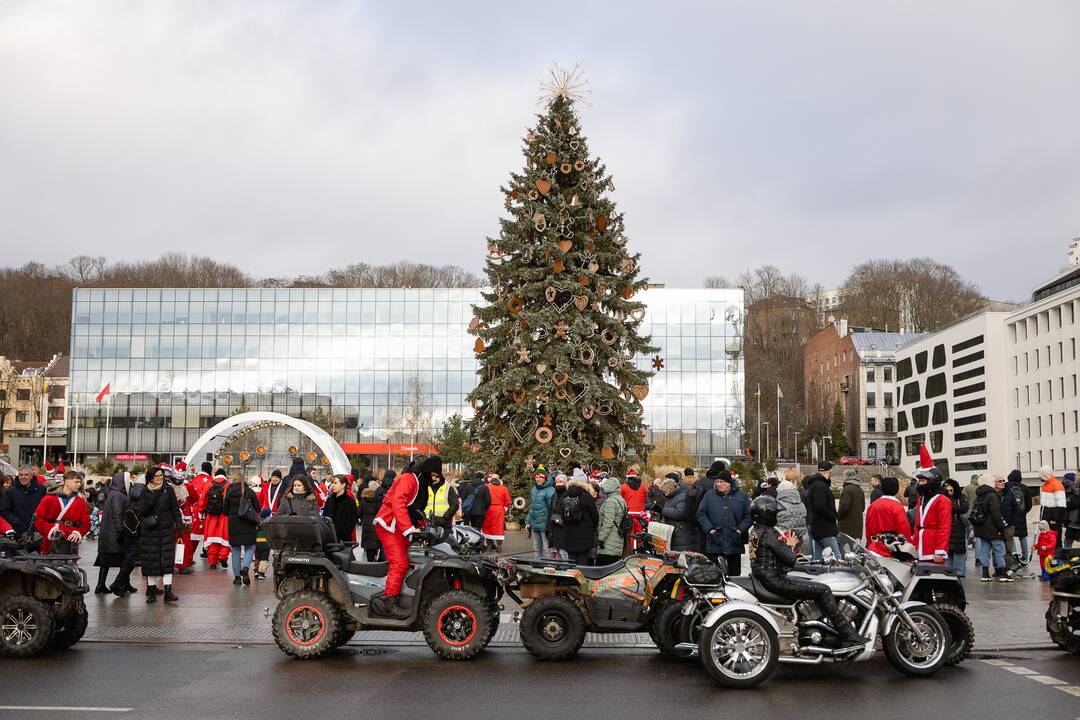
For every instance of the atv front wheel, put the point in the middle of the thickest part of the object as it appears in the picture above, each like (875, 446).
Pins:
(70, 630)
(552, 628)
(457, 624)
(26, 625)
(306, 625)
(666, 630)
(961, 631)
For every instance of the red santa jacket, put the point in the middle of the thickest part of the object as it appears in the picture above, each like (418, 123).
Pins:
(886, 515)
(635, 499)
(5, 526)
(393, 516)
(50, 514)
(933, 522)
(270, 495)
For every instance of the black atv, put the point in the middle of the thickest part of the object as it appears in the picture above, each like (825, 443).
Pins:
(41, 600)
(451, 592)
(1063, 613)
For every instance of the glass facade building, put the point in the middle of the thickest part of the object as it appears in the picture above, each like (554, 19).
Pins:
(180, 360)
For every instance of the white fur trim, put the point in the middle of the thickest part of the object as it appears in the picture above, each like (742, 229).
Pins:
(388, 528)
(410, 531)
(217, 541)
(493, 537)
(196, 537)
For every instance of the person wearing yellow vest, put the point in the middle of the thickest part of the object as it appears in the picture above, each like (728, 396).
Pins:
(442, 502)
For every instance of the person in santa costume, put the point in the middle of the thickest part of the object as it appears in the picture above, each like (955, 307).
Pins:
(198, 486)
(635, 494)
(271, 493)
(216, 522)
(494, 527)
(188, 497)
(394, 525)
(933, 512)
(886, 515)
(63, 519)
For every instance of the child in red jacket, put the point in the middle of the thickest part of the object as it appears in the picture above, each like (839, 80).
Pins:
(1045, 544)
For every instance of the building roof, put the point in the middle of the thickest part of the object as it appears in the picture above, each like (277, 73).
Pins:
(874, 340)
(61, 367)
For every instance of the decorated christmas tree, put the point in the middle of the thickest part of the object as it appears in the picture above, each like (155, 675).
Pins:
(561, 359)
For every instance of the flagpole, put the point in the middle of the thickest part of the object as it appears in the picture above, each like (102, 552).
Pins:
(759, 419)
(108, 417)
(778, 421)
(44, 422)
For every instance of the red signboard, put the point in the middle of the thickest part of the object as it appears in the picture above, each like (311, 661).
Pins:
(130, 456)
(392, 448)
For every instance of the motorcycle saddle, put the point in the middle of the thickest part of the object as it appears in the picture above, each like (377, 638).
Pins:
(759, 591)
(601, 571)
(375, 569)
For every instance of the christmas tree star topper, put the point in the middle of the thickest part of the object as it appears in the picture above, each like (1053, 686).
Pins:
(571, 85)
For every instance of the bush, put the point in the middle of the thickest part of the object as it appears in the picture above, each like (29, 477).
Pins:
(771, 465)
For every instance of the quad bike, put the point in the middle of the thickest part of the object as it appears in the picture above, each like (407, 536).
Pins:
(325, 595)
(561, 601)
(41, 600)
(1063, 614)
(742, 639)
(936, 585)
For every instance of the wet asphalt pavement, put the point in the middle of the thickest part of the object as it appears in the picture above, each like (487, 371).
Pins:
(219, 681)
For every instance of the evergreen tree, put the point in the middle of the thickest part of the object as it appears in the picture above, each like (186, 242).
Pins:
(453, 441)
(840, 446)
(563, 369)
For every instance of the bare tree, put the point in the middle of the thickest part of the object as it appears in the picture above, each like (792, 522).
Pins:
(917, 295)
(85, 270)
(413, 418)
(717, 281)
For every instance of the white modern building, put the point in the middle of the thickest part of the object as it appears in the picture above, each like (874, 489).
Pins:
(952, 392)
(1043, 406)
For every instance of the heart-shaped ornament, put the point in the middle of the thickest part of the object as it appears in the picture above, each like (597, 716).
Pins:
(558, 266)
(544, 186)
(541, 368)
(559, 377)
(474, 323)
(565, 245)
(574, 144)
(637, 314)
(593, 267)
(640, 391)
(581, 301)
(581, 384)
(564, 452)
(607, 453)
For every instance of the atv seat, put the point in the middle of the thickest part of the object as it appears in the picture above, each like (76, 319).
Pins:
(375, 569)
(759, 591)
(601, 571)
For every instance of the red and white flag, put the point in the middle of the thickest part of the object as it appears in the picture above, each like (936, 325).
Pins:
(103, 394)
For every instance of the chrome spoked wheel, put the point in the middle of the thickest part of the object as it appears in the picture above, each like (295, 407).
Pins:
(922, 652)
(18, 627)
(740, 648)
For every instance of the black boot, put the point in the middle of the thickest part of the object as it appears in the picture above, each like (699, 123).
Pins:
(389, 607)
(246, 577)
(170, 596)
(102, 582)
(849, 636)
(151, 594)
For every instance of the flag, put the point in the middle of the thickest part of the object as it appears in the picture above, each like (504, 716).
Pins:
(103, 394)
(758, 393)
(779, 392)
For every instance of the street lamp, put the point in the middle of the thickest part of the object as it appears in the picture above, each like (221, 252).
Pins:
(824, 454)
(796, 446)
(767, 446)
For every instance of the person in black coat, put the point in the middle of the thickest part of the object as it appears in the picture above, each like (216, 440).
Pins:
(958, 532)
(654, 501)
(1015, 505)
(821, 509)
(18, 504)
(680, 504)
(115, 548)
(556, 531)
(159, 520)
(243, 528)
(340, 507)
(384, 486)
(481, 501)
(369, 508)
(579, 536)
(990, 532)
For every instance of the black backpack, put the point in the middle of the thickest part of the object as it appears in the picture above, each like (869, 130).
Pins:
(571, 510)
(626, 525)
(215, 499)
(978, 514)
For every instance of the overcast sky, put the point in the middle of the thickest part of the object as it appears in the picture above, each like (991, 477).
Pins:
(291, 137)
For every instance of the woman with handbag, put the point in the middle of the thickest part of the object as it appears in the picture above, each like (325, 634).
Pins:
(241, 507)
(157, 515)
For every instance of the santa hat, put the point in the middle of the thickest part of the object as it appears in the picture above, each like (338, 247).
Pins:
(48, 466)
(631, 473)
(925, 461)
(181, 466)
(60, 468)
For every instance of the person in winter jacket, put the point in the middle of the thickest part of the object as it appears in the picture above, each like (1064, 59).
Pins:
(822, 508)
(556, 531)
(575, 510)
(886, 515)
(494, 527)
(608, 537)
(242, 530)
(340, 507)
(990, 530)
(215, 521)
(536, 521)
(1052, 501)
(369, 508)
(300, 499)
(63, 518)
(385, 484)
(958, 532)
(654, 502)
(112, 545)
(442, 503)
(724, 515)
(911, 493)
(18, 504)
(635, 494)
(679, 504)
(272, 492)
(480, 502)
(849, 513)
(791, 514)
(1072, 510)
(159, 520)
(875, 487)
(1014, 509)
(1044, 545)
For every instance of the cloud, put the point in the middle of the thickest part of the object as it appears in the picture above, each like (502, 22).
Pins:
(292, 137)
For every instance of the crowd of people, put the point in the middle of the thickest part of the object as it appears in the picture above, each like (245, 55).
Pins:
(157, 521)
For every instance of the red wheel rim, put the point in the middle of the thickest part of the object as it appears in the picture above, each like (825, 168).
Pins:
(305, 625)
(457, 625)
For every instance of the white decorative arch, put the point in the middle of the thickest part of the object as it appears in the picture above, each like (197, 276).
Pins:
(339, 461)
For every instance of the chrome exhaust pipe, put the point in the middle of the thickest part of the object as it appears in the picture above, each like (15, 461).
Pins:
(801, 660)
